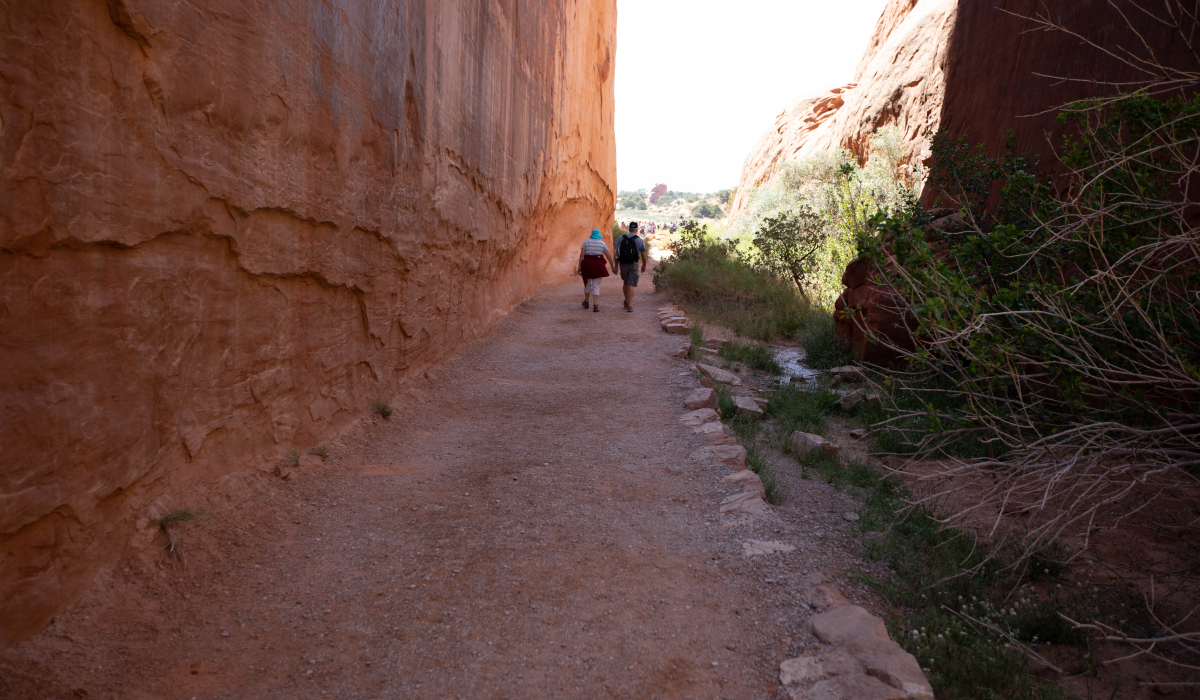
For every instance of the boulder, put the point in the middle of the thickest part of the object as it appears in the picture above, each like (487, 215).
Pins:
(747, 406)
(803, 443)
(846, 623)
(657, 191)
(869, 319)
(705, 381)
(701, 398)
(868, 667)
(719, 375)
(850, 399)
(858, 433)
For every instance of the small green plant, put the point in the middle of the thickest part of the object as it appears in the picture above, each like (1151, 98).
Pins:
(171, 525)
(319, 451)
(756, 356)
(725, 405)
(381, 409)
(822, 349)
(292, 460)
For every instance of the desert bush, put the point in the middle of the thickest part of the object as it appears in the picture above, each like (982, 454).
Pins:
(843, 197)
(381, 409)
(708, 275)
(705, 210)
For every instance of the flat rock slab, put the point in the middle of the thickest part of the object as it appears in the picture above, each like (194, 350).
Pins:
(749, 481)
(733, 455)
(843, 624)
(676, 328)
(701, 398)
(714, 428)
(753, 548)
(697, 417)
(747, 503)
(719, 375)
(747, 406)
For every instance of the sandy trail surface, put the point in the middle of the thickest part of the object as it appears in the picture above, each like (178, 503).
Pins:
(526, 525)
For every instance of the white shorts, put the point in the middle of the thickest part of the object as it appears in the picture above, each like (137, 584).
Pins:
(592, 286)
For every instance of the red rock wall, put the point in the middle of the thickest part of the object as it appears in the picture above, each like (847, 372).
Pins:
(899, 82)
(1005, 74)
(229, 225)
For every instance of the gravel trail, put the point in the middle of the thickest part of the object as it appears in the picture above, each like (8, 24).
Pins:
(526, 525)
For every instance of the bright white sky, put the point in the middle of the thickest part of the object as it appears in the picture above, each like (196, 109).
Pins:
(698, 81)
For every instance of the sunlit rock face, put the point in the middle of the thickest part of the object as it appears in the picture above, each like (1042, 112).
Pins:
(900, 82)
(230, 225)
(980, 69)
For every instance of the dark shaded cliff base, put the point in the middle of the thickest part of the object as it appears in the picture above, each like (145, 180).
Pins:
(526, 524)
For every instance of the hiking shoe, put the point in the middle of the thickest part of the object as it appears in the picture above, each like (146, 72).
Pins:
(629, 309)
(596, 308)
(585, 303)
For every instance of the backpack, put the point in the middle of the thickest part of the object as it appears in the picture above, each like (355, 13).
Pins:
(627, 254)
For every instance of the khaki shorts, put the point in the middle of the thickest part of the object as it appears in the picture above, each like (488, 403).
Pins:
(629, 274)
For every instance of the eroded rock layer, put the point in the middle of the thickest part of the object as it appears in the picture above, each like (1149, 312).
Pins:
(230, 226)
(900, 82)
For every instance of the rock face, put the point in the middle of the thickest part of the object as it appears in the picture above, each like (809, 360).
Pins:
(867, 317)
(228, 227)
(658, 191)
(1003, 74)
(900, 81)
(979, 69)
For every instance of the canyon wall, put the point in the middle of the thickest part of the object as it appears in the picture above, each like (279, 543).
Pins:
(230, 225)
(980, 69)
(900, 82)
(1006, 73)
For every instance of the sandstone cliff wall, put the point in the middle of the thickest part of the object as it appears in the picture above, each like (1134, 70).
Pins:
(229, 225)
(1005, 73)
(899, 82)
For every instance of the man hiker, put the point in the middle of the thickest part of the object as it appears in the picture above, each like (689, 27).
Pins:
(631, 249)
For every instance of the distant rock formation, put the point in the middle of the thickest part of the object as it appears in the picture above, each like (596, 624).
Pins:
(900, 81)
(229, 227)
(658, 191)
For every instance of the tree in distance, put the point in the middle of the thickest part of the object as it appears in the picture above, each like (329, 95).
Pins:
(788, 245)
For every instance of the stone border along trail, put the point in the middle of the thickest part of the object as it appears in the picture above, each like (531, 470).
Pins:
(541, 517)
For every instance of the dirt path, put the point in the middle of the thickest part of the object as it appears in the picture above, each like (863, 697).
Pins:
(526, 525)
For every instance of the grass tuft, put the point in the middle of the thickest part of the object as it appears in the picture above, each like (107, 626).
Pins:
(756, 356)
(319, 451)
(171, 524)
(381, 409)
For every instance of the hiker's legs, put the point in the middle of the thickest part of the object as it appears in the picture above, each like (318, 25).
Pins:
(628, 294)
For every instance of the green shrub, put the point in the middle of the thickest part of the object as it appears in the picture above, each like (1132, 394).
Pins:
(756, 356)
(380, 408)
(708, 276)
(705, 210)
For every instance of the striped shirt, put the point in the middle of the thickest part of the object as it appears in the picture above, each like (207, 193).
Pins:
(594, 247)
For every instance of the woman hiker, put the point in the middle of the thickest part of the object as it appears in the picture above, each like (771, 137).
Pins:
(592, 255)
